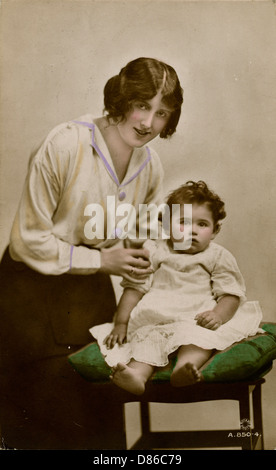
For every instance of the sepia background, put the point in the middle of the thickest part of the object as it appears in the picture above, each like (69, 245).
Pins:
(56, 56)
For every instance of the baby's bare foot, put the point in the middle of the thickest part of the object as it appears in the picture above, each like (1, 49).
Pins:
(187, 374)
(127, 378)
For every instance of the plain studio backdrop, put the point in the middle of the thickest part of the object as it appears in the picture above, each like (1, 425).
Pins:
(56, 58)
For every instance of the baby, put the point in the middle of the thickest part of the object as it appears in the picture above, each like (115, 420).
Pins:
(193, 304)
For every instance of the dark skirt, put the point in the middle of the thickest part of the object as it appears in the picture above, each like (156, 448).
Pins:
(44, 403)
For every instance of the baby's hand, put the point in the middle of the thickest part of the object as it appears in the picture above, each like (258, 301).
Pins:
(117, 335)
(209, 319)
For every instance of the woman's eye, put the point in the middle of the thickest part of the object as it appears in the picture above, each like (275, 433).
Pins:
(162, 114)
(141, 106)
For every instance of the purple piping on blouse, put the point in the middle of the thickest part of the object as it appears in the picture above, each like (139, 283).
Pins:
(108, 167)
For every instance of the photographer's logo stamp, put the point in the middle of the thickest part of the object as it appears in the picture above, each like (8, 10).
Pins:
(245, 424)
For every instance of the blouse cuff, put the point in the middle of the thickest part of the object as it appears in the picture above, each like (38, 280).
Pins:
(84, 260)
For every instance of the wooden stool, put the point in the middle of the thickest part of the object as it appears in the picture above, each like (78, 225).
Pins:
(234, 374)
(249, 436)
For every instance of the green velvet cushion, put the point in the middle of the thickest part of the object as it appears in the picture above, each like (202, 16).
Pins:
(248, 359)
(90, 364)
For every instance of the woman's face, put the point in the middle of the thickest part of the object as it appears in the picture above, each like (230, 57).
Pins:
(144, 121)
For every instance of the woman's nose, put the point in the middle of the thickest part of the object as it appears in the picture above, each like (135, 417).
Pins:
(147, 120)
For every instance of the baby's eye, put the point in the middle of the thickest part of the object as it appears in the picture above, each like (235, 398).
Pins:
(185, 221)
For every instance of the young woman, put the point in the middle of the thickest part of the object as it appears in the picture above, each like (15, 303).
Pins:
(55, 273)
(193, 304)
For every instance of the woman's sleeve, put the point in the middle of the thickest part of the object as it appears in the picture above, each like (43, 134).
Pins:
(226, 277)
(32, 238)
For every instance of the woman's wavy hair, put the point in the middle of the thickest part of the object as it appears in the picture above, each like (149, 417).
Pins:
(141, 79)
(199, 193)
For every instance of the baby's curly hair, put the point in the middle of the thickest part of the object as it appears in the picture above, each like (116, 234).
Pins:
(192, 192)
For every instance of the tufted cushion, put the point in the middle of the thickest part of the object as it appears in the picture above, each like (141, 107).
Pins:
(248, 359)
(90, 364)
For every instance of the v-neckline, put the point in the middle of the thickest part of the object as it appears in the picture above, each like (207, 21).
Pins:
(109, 165)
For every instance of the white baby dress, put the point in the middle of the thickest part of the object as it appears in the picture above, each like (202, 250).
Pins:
(182, 286)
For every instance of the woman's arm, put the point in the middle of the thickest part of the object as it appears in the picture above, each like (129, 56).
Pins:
(223, 312)
(35, 238)
(47, 211)
(128, 301)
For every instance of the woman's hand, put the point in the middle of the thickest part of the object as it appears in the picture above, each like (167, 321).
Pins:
(117, 335)
(131, 263)
(209, 319)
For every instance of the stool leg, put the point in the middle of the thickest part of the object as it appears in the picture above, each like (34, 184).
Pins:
(124, 437)
(145, 426)
(257, 413)
(144, 441)
(244, 403)
(145, 418)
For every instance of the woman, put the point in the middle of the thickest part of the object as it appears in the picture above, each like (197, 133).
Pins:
(55, 272)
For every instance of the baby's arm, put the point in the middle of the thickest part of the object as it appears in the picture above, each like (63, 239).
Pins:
(223, 312)
(128, 301)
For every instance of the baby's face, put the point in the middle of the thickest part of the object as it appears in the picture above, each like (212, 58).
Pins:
(198, 230)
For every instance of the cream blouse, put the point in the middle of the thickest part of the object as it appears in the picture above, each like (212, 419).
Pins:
(72, 170)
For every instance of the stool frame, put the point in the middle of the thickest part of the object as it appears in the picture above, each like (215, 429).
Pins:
(248, 437)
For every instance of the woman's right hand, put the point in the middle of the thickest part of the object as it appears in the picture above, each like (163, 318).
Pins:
(131, 263)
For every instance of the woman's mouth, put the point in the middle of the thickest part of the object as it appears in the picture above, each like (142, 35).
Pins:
(141, 133)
